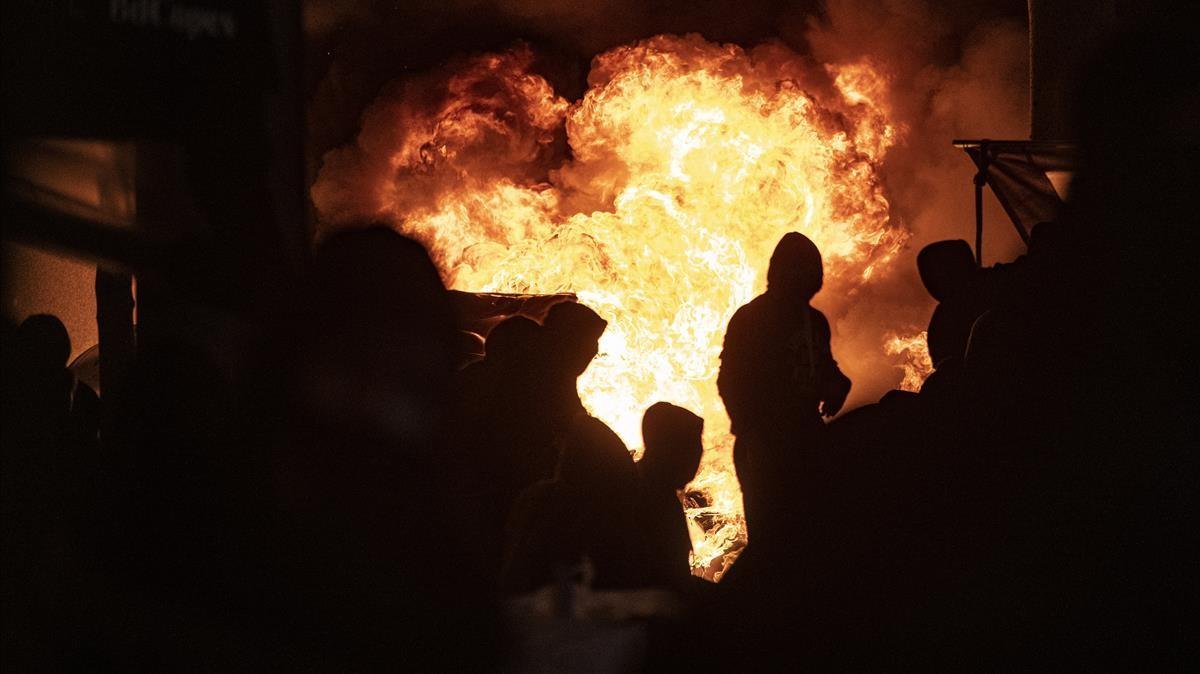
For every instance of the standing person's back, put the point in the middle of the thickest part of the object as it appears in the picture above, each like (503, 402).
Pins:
(498, 442)
(672, 436)
(778, 377)
(589, 508)
(777, 369)
(948, 271)
(364, 561)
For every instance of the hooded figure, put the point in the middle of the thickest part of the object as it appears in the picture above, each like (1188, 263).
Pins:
(572, 340)
(948, 270)
(777, 370)
(498, 443)
(777, 379)
(589, 508)
(673, 439)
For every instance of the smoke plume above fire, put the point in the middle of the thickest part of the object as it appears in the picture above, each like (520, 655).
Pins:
(657, 197)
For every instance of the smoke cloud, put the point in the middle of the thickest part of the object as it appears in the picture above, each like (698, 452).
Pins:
(953, 76)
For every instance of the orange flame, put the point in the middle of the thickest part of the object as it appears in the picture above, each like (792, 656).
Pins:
(914, 351)
(687, 162)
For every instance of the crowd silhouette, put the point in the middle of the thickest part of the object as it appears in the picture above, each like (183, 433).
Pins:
(371, 493)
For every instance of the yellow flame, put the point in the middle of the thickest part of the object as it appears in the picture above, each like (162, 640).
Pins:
(688, 161)
(914, 350)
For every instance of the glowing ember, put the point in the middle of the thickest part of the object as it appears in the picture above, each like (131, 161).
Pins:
(687, 162)
(914, 351)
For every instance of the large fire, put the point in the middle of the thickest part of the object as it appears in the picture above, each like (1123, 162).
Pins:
(657, 198)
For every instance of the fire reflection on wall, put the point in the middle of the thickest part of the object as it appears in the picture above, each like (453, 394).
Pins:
(91, 179)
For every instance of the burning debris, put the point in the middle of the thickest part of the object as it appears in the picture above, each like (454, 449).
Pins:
(656, 199)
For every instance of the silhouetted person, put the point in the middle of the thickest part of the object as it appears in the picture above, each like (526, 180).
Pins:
(777, 379)
(948, 270)
(572, 341)
(37, 398)
(49, 445)
(41, 385)
(1097, 427)
(776, 367)
(523, 445)
(510, 350)
(589, 510)
(672, 437)
(499, 437)
(586, 516)
(1049, 245)
(367, 564)
(174, 499)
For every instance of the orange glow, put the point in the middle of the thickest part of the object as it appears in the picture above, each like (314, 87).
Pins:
(914, 350)
(688, 160)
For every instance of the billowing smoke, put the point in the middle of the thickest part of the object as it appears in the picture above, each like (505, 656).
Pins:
(952, 76)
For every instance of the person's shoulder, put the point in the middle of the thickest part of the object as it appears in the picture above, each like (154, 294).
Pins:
(586, 423)
(760, 302)
(755, 307)
(738, 320)
(818, 317)
(586, 426)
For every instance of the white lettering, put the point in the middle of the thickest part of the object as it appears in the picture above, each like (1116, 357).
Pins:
(136, 12)
(190, 20)
(196, 22)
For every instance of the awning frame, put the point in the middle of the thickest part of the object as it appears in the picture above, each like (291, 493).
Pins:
(983, 153)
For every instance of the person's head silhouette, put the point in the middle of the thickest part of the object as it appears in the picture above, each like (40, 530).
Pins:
(795, 267)
(946, 268)
(44, 342)
(511, 340)
(375, 336)
(573, 332)
(672, 436)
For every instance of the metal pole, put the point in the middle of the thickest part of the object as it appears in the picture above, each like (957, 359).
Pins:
(114, 322)
(978, 220)
(980, 181)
